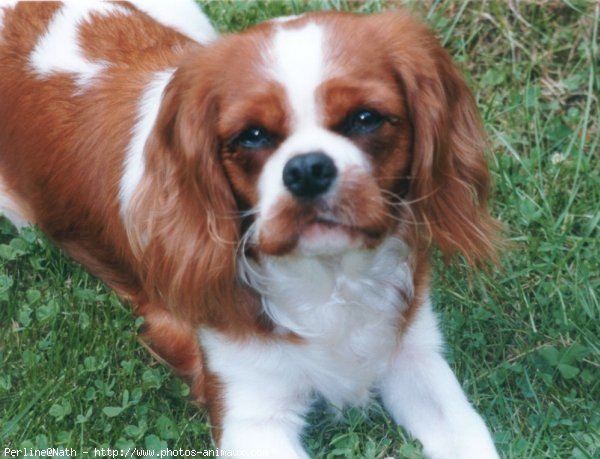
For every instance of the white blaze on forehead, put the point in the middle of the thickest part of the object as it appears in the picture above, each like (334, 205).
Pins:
(59, 50)
(134, 165)
(296, 62)
(185, 16)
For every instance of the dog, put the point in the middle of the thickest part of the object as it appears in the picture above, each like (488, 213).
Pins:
(267, 201)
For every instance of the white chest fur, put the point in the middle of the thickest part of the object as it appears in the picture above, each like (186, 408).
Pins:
(346, 309)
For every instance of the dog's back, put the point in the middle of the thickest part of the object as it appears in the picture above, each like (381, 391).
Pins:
(68, 71)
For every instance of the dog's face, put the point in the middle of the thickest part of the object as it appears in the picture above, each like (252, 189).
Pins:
(316, 135)
(317, 132)
(318, 144)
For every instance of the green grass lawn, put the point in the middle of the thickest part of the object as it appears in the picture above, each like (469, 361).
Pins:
(522, 338)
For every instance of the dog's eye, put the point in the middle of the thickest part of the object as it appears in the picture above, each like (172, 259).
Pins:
(362, 122)
(254, 138)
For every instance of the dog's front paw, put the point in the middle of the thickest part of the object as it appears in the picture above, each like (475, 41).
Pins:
(263, 442)
(469, 449)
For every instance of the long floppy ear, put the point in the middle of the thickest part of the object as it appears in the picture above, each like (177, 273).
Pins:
(450, 178)
(182, 218)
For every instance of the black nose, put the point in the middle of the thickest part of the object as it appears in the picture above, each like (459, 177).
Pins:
(309, 175)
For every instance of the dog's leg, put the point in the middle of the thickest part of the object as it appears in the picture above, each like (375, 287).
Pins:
(275, 437)
(423, 395)
(255, 397)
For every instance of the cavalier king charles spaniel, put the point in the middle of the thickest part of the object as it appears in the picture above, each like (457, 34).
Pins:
(267, 201)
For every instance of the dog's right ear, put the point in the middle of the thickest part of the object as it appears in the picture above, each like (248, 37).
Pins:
(182, 220)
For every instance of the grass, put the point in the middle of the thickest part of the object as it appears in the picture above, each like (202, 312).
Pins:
(523, 338)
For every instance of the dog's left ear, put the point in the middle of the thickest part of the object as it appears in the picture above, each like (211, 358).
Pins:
(450, 178)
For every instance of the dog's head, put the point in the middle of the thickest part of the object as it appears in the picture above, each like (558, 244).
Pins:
(309, 136)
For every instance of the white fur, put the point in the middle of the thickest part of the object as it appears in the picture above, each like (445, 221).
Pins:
(347, 309)
(58, 50)
(423, 395)
(296, 61)
(10, 208)
(134, 163)
(185, 16)
(265, 397)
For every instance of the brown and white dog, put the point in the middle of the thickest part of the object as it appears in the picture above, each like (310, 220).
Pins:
(266, 201)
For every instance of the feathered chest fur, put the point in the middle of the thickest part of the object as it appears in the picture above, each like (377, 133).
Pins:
(346, 309)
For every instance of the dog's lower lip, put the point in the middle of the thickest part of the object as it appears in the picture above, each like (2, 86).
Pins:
(334, 225)
(344, 227)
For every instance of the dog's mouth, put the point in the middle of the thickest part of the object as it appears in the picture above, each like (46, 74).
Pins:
(355, 217)
(311, 232)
